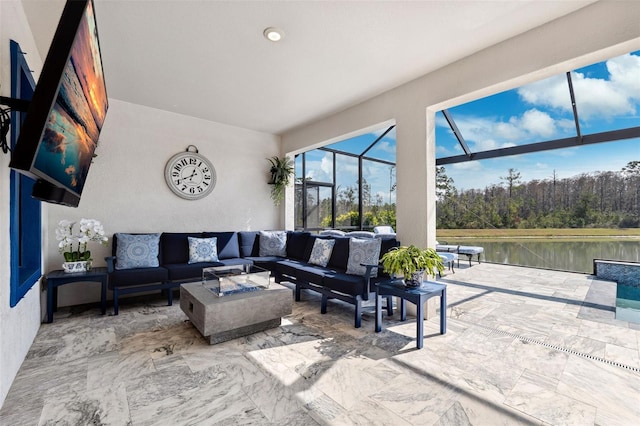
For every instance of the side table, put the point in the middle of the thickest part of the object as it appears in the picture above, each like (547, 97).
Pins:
(418, 296)
(59, 278)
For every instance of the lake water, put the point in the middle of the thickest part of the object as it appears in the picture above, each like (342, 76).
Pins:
(565, 255)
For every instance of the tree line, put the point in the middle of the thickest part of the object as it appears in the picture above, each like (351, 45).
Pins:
(609, 199)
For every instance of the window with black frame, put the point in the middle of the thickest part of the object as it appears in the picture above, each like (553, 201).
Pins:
(349, 185)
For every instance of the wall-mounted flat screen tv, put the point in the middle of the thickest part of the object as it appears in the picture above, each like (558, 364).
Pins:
(60, 132)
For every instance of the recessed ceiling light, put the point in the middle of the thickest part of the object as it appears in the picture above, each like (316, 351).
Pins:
(273, 34)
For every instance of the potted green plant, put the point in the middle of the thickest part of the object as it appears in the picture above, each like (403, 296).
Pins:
(281, 171)
(412, 262)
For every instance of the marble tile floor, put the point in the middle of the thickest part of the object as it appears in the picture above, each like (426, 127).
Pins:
(523, 346)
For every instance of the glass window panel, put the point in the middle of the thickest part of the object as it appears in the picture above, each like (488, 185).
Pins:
(355, 145)
(298, 167)
(318, 206)
(346, 191)
(297, 206)
(379, 190)
(608, 94)
(385, 148)
(378, 194)
(319, 166)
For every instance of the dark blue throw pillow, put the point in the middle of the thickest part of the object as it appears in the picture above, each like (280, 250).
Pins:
(228, 246)
(296, 244)
(340, 254)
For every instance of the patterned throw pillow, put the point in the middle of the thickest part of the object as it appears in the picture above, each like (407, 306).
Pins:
(137, 251)
(321, 251)
(365, 251)
(273, 243)
(203, 250)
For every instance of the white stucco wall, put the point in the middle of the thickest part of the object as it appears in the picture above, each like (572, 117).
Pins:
(18, 325)
(595, 33)
(126, 189)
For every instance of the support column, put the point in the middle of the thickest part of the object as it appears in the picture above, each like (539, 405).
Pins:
(416, 175)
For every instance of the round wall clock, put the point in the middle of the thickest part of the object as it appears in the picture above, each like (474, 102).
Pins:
(190, 175)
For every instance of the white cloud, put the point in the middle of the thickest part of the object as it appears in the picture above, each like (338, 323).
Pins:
(508, 130)
(539, 123)
(488, 133)
(326, 164)
(625, 74)
(595, 97)
(386, 145)
(551, 92)
(600, 98)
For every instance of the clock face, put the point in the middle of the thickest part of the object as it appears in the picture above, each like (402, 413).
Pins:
(190, 175)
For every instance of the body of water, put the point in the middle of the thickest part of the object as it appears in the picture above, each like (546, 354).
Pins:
(564, 255)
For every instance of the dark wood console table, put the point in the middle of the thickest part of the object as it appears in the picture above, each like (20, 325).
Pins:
(59, 278)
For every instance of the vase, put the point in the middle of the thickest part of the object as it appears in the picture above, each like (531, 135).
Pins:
(415, 280)
(74, 267)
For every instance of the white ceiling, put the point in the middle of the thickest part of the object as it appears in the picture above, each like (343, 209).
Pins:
(208, 59)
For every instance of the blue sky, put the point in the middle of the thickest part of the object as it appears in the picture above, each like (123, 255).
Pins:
(607, 97)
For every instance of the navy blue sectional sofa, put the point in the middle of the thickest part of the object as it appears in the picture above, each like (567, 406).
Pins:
(241, 248)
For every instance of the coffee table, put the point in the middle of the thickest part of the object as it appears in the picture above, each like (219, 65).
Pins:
(225, 305)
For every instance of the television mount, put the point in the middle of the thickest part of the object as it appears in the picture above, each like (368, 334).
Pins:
(5, 120)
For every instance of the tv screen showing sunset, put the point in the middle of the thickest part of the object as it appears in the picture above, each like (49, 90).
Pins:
(75, 121)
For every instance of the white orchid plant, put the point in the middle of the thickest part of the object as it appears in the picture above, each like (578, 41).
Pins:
(88, 230)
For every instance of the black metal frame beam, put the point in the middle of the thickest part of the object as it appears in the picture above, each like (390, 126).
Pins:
(349, 154)
(573, 105)
(610, 136)
(457, 134)
(362, 154)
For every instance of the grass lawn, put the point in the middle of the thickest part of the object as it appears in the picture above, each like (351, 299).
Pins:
(632, 233)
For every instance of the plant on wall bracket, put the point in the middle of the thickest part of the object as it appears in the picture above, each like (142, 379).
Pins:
(281, 171)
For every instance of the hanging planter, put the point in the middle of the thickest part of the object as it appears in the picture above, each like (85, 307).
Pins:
(281, 171)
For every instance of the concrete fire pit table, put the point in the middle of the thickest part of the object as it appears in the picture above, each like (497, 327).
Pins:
(221, 315)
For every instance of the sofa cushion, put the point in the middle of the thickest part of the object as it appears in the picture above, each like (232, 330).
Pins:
(133, 277)
(321, 252)
(296, 244)
(203, 249)
(287, 266)
(344, 283)
(387, 244)
(365, 251)
(137, 251)
(333, 233)
(228, 246)
(312, 274)
(175, 246)
(340, 253)
(249, 246)
(273, 243)
(361, 234)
